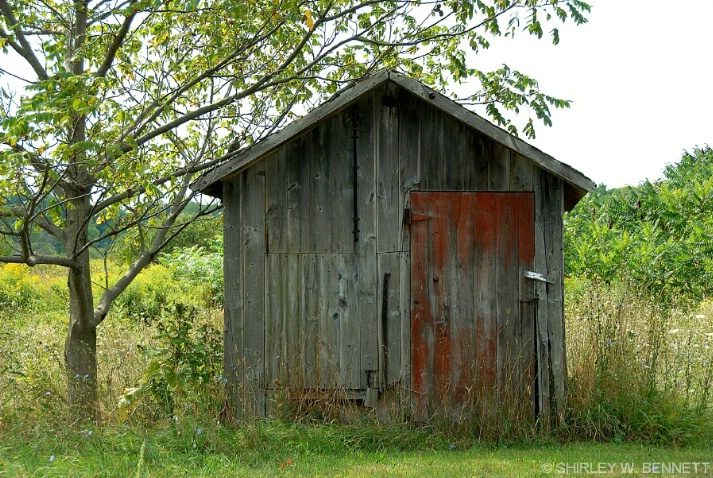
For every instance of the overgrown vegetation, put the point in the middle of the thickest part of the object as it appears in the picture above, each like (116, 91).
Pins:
(639, 336)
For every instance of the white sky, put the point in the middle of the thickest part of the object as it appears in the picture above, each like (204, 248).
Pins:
(640, 75)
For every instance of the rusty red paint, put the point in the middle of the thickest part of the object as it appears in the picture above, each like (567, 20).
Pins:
(456, 258)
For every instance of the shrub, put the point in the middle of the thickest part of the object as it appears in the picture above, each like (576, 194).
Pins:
(184, 360)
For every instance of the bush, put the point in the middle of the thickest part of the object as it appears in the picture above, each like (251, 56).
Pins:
(184, 360)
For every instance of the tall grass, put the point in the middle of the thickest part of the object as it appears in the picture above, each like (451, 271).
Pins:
(637, 371)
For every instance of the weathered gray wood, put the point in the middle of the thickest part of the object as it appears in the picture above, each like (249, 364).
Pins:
(340, 143)
(349, 354)
(321, 195)
(470, 159)
(250, 156)
(244, 159)
(234, 370)
(253, 232)
(274, 316)
(409, 151)
(499, 169)
(429, 147)
(545, 161)
(388, 189)
(366, 268)
(453, 156)
(542, 344)
(552, 214)
(328, 317)
(293, 371)
(275, 202)
(522, 172)
(313, 306)
(390, 315)
(405, 336)
(298, 196)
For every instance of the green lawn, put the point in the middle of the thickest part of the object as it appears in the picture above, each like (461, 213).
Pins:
(299, 450)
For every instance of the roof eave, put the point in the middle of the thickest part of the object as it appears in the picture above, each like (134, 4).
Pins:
(205, 184)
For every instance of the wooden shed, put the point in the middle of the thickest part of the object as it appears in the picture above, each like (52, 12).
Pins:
(398, 250)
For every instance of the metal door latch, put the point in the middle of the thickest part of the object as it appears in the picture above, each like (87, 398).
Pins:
(538, 276)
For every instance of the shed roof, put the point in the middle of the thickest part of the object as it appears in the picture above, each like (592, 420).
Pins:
(211, 182)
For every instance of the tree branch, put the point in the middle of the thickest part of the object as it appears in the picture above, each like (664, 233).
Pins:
(24, 49)
(116, 44)
(34, 260)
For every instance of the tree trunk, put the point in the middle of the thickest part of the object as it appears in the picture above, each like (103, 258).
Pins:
(80, 353)
(80, 350)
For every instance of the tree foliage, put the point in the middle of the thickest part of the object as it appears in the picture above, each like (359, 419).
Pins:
(111, 107)
(657, 235)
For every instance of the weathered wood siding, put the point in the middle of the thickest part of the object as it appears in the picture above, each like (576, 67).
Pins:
(317, 300)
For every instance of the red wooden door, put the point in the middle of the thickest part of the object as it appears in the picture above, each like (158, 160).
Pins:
(472, 323)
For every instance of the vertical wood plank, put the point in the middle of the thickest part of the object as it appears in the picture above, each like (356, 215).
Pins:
(388, 190)
(420, 310)
(366, 267)
(327, 290)
(552, 214)
(542, 310)
(348, 340)
(521, 173)
(499, 168)
(461, 283)
(310, 320)
(453, 157)
(293, 371)
(340, 155)
(275, 216)
(507, 295)
(274, 319)
(298, 196)
(526, 252)
(390, 315)
(405, 335)
(233, 319)
(409, 151)
(483, 154)
(253, 232)
(485, 303)
(471, 162)
(429, 135)
(321, 200)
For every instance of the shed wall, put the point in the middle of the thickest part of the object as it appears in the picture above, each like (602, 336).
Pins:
(312, 304)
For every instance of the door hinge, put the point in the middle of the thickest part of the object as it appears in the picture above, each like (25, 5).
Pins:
(410, 216)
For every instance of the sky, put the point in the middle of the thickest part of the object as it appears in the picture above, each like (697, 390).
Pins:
(640, 76)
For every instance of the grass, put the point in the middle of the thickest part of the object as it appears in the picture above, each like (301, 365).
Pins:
(273, 448)
(639, 392)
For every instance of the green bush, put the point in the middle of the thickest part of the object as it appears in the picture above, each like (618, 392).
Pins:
(184, 361)
(656, 237)
(200, 268)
